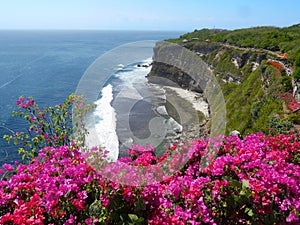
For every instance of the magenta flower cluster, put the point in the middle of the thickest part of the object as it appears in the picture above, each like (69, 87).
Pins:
(250, 181)
(48, 190)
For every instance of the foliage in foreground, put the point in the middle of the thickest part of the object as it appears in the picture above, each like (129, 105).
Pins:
(250, 181)
(50, 126)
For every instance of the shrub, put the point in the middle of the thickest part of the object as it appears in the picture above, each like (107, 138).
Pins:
(224, 180)
(279, 126)
(286, 82)
(50, 126)
(250, 181)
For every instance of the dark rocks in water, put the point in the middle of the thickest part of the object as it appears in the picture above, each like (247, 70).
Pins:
(144, 65)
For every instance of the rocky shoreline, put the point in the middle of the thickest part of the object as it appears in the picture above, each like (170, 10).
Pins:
(189, 109)
(196, 120)
(186, 101)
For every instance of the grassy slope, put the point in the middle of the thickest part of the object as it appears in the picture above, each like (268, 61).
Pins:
(250, 105)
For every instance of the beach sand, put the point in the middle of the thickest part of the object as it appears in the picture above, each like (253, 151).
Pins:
(184, 107)
(194, 98)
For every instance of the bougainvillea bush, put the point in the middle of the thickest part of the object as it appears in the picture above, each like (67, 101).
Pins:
(49, 126)
(250, 181)
(224, 180)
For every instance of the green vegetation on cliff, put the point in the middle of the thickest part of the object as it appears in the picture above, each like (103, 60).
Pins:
(297, 65)
(251, 105)
(286, 40)
(256, 68)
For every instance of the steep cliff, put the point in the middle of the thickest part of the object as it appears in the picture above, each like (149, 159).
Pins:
(257, 83)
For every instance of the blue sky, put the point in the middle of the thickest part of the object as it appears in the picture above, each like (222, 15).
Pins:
(184, 15)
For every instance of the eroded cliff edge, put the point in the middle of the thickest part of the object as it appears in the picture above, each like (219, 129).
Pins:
(255, 83)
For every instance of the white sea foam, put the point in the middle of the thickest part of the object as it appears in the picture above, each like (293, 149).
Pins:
(174, 125)
(162, 110)
(104, 132)
(119, 67)
(137, 74)
(110, 113)
(130, 92)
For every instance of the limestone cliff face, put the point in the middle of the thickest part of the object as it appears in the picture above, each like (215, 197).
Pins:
(252, 87)
(172, 74)
(227, 63)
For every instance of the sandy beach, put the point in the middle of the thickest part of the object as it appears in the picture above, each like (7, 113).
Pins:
(184, 107)
(194, 98)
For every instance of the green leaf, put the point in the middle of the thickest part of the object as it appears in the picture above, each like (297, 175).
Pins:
(133, 217)
(245, 184)
(249, 212)
(242, 192)
(15, 141)
(235, 183)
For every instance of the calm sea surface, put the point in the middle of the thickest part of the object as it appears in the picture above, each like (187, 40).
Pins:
(48, 66)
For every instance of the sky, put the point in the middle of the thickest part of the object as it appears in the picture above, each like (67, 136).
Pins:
(180, 15)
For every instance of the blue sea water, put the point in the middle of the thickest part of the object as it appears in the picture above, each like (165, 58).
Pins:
(48, 66)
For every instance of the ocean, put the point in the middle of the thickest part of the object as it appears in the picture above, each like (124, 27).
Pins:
(48, 65)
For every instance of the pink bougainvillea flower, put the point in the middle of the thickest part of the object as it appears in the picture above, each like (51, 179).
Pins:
(8, 167)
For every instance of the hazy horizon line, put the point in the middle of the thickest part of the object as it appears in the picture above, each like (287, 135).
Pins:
(138, 29)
